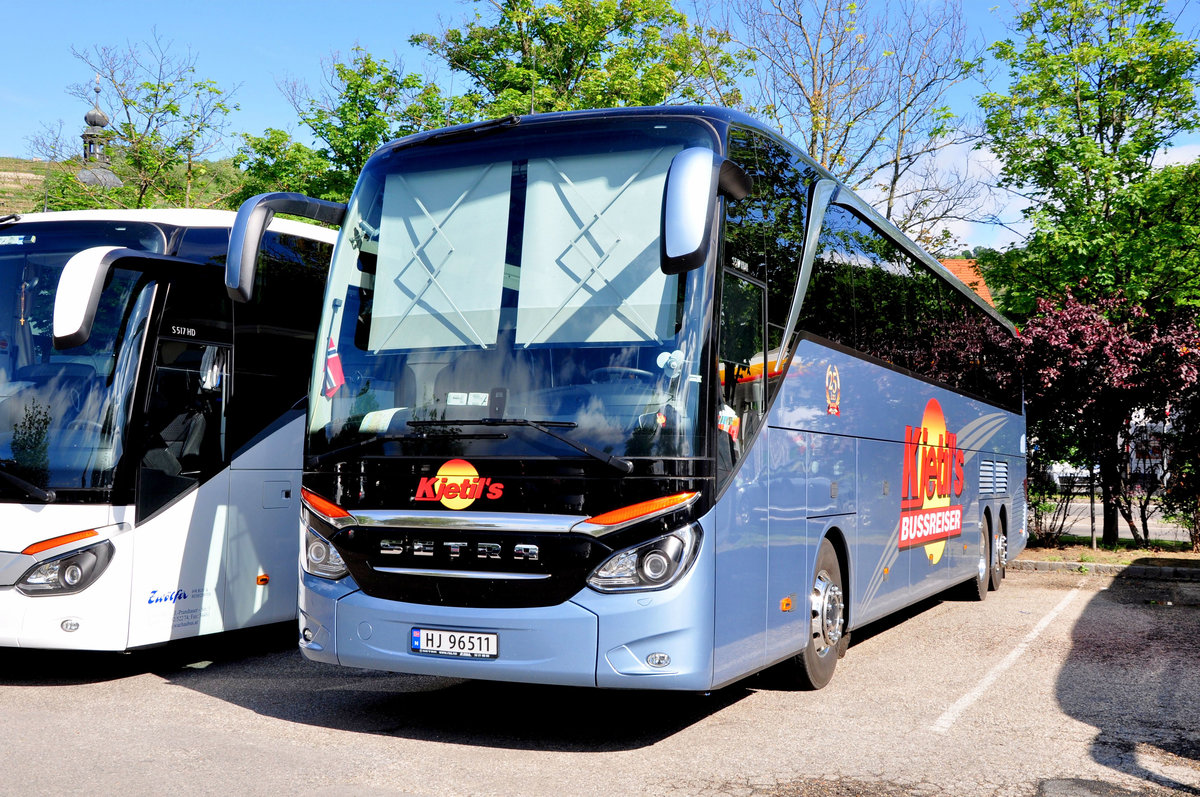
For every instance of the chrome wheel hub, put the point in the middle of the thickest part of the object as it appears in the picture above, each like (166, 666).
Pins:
(827, 612)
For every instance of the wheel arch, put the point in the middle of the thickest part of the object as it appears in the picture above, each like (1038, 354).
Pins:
(837, 538)
(986, 519)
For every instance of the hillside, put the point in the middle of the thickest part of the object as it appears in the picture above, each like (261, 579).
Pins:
(20, 185)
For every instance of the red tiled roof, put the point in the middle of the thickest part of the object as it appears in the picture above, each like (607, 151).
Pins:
(967, 271)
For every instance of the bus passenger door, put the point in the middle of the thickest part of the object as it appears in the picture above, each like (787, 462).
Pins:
(741, 513)
(178, 586)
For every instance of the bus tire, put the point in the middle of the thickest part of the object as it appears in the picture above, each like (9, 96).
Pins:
(977, 588)
(827, 625)
(998, 558)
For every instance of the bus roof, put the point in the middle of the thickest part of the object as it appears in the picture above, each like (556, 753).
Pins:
(182, 217)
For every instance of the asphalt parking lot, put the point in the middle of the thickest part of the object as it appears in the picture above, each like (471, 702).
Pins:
(1059, 684)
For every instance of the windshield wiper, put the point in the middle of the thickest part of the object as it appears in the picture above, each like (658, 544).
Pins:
(31, 490)
(620, 463)
(11, 218)
(474, 128)
(312, 460)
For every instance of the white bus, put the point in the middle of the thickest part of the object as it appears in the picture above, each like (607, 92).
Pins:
(150, 430)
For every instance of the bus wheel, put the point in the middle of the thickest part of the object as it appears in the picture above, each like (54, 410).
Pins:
(977, 588)
(828, 622)
(1001, 556)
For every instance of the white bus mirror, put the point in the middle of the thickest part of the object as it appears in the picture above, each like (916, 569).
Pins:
(78, 294)
(694, 178)
(81, 283)
(252, 219)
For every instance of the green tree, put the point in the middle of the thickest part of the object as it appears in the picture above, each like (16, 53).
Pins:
(166, 123)
(528, 57)
(1096, 91)
(275, 162)
(864, 85)
(524, 56)
(368, 102)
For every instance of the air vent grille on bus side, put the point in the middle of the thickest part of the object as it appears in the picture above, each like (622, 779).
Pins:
(993, 477)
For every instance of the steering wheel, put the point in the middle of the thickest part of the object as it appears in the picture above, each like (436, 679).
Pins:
(616, 373)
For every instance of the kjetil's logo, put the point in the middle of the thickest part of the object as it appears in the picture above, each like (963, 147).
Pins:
(933, 473)
(457, 485)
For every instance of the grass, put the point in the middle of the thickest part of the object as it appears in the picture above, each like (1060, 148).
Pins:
(20, 185)
(1071, 548)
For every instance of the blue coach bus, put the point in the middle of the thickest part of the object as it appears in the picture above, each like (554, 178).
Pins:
(637, 398)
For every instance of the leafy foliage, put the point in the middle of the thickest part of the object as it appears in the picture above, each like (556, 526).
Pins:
(1098, 89)
(529, 57)
(368, 103)
(165, 124)
(1090, 366)
(865, 87)
(275, 162)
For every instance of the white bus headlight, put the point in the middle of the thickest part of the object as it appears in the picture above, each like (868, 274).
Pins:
(321, 558)
(67, 574)
(651, 565)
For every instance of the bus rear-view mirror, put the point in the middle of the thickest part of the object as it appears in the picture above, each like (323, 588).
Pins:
(252, 219)
(694, 178)
(81, 283)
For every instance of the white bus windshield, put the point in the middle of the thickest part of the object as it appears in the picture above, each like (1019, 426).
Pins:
(515, 279)
(63, 413)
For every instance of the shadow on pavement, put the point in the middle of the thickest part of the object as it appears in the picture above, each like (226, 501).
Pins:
(24, 667)
(481, 713)
(262, 670)
(1137, 681)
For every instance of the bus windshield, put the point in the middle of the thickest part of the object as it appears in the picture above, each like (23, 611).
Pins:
(63, 413)
(504, 298)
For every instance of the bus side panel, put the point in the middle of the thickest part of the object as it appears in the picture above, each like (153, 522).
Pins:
(879, 581)
(264, 505)
(178, 571)
(1018, 530)
(791, 551)
(739, 528)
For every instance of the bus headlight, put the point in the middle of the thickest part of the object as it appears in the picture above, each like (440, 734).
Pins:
(67, 574)
(321, 558)
(652, 565)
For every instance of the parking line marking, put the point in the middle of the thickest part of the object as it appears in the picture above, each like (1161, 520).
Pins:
(951, 715)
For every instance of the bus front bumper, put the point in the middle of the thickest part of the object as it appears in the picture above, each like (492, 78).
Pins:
(660, 640)
(95, 619)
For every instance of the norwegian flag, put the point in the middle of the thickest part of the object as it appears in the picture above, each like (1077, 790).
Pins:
(334, 378)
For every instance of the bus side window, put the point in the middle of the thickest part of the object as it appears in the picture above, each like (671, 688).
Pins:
(204, 245)
(275, 334)
(184, 428)
(764, 233)
(785, 203)
(741, 367)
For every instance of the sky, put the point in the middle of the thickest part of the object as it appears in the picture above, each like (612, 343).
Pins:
(250, 44)
(255, 45)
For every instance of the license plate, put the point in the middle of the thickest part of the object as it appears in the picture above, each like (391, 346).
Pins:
(465, 644)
